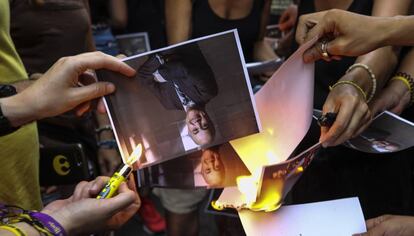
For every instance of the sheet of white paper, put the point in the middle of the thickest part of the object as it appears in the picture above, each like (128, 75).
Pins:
(284, 105)
(341, 217)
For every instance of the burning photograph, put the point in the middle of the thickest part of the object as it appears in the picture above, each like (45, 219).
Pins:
(184, 98)
(214, 167)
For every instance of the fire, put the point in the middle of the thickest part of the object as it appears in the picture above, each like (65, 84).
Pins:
(270, 191)
(135, 155)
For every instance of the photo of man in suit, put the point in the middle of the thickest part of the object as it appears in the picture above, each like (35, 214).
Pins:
(181, 79)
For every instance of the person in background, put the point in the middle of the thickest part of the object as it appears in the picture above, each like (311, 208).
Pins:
(348, 87)
(187, 19)
(107, 15)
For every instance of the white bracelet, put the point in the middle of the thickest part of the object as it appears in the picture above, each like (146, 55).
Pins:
(371, 75)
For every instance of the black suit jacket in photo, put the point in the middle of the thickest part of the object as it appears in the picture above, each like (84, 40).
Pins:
(188, 69)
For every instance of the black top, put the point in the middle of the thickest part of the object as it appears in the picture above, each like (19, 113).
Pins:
(99, 11)
(206, 22)
(328, 73)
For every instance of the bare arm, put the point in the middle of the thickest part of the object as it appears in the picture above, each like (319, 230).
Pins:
(262, 50)
(383, 60)
(90, 44)
(396, 95)
(178, 14)
(119, 13)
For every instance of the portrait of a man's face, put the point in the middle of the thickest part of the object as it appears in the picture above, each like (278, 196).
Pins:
(183, 99)
(199, 126)
(212, 168)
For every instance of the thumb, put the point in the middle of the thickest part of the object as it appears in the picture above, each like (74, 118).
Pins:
(125, 198)
(92, 91)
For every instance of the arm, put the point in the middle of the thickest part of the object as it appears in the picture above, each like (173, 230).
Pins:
(350, 39)
(119, 13)
(353, 112)
(57, 92)
(90, 44)
(396, 95)
(178, 14)
(262, 50)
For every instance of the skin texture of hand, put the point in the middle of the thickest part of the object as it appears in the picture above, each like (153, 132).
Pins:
(344, 29)
(57, 91)
(82, 213)
(390, 225)
(394, 98)
(109, 160)
(352, 113)
(288, 18)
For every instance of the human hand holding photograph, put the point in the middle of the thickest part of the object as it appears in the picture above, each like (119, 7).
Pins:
(185, 98)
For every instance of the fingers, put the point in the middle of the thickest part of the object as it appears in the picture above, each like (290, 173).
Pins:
(92, 91)
(79, 191)
(82, 108)
(304, 25)
(371, 223)
(342, 120)
(125, 198)
(358, 119)
(98, 184)
(101, 106)
(364, 125)
(99, 60)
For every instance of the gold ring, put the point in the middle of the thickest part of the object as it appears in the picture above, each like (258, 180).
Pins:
(324, 49)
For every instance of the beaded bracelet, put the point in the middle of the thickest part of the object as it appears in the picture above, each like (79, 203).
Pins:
(350, 83)
(408, 81)
(13, 229)
(103, 128)
(371, 75)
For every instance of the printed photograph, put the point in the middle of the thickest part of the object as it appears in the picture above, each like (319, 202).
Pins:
(184, 98)
(387, 133)
(214, 167)
(133, 44)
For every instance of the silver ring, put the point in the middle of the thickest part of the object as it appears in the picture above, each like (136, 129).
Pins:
(324, 49)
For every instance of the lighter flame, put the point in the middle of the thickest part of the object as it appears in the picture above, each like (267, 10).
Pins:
(135, 155)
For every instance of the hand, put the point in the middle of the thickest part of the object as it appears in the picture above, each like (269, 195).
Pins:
(109, 160)
(288, 18)
(352, 113)
(57, 91)
(82, 213)
(351, 34)
(394, 98)
(390, 225)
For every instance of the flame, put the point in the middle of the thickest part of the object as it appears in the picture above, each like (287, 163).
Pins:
(135, 155)
(270, 192)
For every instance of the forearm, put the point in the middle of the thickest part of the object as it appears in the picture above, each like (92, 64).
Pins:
(397, 31)
(17, 110)
(119, 15)
(178, 14)
(381, 62)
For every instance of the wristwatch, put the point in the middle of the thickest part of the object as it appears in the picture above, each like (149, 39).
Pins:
(5, 125)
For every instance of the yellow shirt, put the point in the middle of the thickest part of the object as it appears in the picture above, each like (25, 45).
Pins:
(19, 151)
